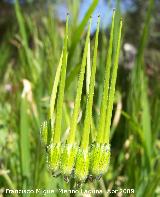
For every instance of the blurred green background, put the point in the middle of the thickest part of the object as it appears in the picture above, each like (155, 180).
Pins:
(31, 40)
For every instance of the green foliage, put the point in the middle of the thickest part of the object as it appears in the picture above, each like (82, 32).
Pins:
(33, 85)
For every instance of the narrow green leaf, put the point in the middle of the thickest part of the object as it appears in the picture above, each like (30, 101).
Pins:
(24, 135)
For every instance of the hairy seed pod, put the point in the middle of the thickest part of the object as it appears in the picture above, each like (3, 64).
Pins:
(99, 159)
(68, 156)
(54, 152)
(82, 165)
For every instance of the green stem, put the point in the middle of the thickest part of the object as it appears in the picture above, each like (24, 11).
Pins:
(88, 116)
(106, 85)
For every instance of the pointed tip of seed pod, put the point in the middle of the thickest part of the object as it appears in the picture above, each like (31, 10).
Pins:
(114, 9)
(68, 14)
(98, 21)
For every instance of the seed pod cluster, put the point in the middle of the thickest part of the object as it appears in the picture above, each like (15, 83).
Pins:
(74, 162)
(88, 160)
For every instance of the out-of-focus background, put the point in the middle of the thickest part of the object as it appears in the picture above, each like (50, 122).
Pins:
(31, 40)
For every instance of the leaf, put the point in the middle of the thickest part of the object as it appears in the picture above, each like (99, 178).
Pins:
(24, 134)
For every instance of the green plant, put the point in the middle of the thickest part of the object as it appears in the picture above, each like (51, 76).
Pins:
(89, 159)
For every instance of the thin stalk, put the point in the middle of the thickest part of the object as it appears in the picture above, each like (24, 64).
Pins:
(88, 116)
(112, 88)
(106, 85)
(71, 137)
(57, 131)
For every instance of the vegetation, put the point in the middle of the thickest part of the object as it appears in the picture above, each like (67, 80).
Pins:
(47, 73)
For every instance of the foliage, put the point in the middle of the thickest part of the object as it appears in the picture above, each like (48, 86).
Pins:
(31, 59)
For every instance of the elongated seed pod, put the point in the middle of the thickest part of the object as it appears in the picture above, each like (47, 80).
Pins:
(88, 115)
(74, 118)
(58, 120)
(82, 162)
(54, 152)
(106, 86)
(112, 88)
(70, 149)
(55, 87)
